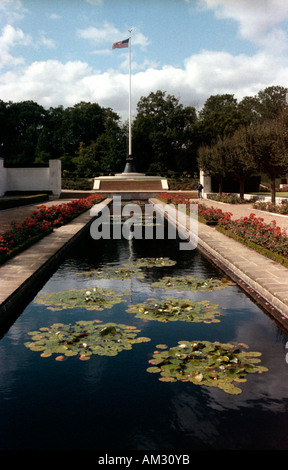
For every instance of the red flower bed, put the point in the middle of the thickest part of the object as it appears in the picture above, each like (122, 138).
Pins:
(210, 214)
(60, 214)
(281, 208)
(254, 230)
(250, 230)
(41, 223)
(173, 198)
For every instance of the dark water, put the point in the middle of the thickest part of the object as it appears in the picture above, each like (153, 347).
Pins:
(112, 403)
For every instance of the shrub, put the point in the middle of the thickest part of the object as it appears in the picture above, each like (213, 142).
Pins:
(228, 198)
(40, 223)
(281, 208)
(254, 230)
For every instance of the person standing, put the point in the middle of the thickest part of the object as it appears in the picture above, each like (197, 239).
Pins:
(199, 189)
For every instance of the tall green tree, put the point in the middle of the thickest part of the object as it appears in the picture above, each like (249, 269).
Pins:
(239, 156)
(270, 149)
(51, 141)
(163, 134)
(271, 102)
(212, 159)
(218, 118)
(24, 123)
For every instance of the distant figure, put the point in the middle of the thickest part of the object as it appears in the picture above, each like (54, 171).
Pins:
(199, 189)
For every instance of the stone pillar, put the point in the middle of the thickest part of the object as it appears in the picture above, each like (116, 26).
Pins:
(205, 180)
(3, 177)
(55, 177)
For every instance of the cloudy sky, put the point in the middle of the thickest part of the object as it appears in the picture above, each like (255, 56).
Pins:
(59, 52)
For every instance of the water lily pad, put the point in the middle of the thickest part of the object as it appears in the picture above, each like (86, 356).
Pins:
(84, 339)
(176, 310)
(205, 363)
(115, 273)
(191, 283)
(151, 262)
(90, 299)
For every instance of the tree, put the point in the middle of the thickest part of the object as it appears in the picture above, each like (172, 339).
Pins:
(218, 118)
(107, 153)
(163, 133)
(271, 102)
(239, 158)
(25, 121)
(212, 159)
(270, 149)
(52, 136)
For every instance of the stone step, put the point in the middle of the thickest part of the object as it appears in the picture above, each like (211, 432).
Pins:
(130, 185)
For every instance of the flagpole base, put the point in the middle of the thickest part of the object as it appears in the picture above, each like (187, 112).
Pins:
(129, 167)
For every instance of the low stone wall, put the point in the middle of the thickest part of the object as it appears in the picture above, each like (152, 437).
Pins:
(31, 179)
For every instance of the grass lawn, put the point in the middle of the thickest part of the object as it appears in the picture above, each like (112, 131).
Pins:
(278, 194)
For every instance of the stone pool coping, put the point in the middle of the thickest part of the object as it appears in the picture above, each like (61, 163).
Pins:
(264, 280)
(23, 275)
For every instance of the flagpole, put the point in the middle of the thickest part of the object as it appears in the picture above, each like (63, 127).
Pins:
(130, 136)
(129, 166)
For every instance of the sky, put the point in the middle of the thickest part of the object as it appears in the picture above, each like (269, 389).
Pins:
(59, 52)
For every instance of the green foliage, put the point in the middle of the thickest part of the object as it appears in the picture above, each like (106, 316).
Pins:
(260, 249)
(83, 339)
(191, 283)
(257, 143)
(151, 262)
(176, 310)
(23, 200)
(90, 140)
(114, 273)
(92, 298)
(205, 363)
(229, 198)
(163, 133)
(129, 270)
(218, 118)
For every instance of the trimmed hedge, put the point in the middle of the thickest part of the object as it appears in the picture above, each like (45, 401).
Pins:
(22, 201)
(260, 249)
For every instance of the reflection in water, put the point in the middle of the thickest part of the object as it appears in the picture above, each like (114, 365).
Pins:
(112, 402)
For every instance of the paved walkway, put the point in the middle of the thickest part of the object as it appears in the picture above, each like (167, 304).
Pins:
(18, 214)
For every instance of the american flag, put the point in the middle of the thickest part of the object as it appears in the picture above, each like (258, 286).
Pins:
(120, 44)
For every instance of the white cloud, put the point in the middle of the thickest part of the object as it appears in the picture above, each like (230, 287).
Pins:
(95, 2)
(258, 20)
(44, 41)
(12, 10)
(52, 83)
(49, 83)
(99, 35)
(11, 37)
(108, 33)
(54, 16)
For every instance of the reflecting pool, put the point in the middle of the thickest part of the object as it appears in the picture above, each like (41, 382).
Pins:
(112, 402)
